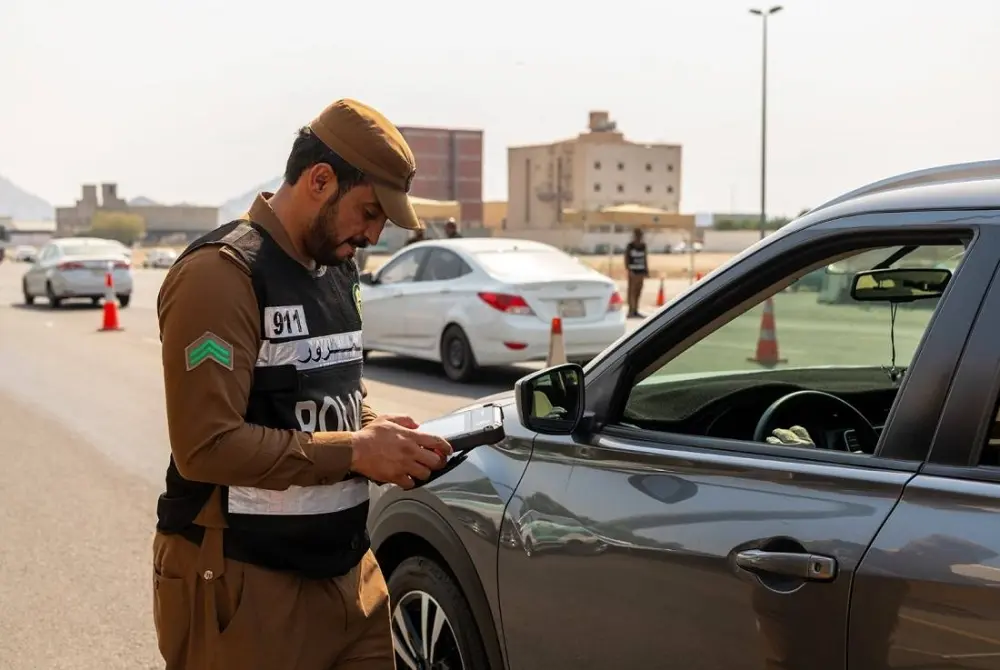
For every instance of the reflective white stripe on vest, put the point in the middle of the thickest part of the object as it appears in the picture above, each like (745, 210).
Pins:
(299, 500)
(315, 352)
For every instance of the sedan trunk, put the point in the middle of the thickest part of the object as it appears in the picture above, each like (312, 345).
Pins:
(574, 301)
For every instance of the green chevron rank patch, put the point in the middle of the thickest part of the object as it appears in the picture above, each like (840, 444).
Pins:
(208, 347)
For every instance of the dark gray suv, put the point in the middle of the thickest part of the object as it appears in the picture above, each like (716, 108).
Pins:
(754, 478)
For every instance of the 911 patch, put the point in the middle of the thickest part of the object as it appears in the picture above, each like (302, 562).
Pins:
(285, 321)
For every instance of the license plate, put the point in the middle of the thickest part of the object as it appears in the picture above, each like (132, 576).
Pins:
(570, 309)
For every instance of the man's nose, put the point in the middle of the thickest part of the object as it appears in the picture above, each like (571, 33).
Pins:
(374, 231)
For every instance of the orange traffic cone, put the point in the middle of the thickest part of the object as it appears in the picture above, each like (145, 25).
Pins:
(698, 276)
(110, 321)
(767, 342)
(557, 347)
(661, 299)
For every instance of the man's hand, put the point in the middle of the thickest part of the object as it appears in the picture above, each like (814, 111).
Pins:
(390, 450)
(796, 436)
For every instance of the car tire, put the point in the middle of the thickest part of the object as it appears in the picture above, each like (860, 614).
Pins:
(124, 299)
(457, 359)
(419, 582)
(54, 301)
(28, 298)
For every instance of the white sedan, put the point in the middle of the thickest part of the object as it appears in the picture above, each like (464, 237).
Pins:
(159, 258)
(77, 267)
(25, 254)
(472, 302)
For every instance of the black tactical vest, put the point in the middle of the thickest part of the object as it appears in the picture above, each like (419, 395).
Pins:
(636, 254)
(307, 377)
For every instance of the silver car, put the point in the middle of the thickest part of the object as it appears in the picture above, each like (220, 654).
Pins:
(76, 267)
(25, 254)
(159, 258)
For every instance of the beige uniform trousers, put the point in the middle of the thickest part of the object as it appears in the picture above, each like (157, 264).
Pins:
(213, 613)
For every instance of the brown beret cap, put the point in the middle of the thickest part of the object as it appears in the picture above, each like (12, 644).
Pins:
(368, 141)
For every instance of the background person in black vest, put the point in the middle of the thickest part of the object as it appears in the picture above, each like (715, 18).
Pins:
(451, 229)
(636, 269)
(261, 557)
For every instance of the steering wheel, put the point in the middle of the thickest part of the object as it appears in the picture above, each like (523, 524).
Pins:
(770, 419)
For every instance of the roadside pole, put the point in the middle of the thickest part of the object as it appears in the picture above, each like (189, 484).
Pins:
(691, 258)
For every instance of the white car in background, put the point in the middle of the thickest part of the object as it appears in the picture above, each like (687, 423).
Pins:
(159, 258)
(76, 267)
(25, 253)
(473, 302)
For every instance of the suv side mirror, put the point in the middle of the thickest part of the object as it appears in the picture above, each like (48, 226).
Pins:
(367, 278)
(551, 401)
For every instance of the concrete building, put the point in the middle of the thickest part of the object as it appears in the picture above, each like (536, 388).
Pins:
(449, 168)
(162, 221)
(596, 170)
(32, 233)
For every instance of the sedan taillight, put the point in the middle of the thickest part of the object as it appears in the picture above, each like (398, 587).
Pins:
(71, 265)
(509, 304)
(615, 303)
(122, 265)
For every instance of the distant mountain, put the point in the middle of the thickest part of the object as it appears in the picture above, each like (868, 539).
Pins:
(20, 205)
(236, 207)
(142, 201)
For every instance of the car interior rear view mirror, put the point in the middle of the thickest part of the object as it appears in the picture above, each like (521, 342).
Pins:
(551, 401)
(896, 285)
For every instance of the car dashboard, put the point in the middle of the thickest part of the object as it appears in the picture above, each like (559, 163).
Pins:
(735, 417)
(731, 408)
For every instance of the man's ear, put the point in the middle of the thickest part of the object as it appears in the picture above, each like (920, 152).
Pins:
(322, 182)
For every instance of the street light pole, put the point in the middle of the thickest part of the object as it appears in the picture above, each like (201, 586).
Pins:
(763, 14)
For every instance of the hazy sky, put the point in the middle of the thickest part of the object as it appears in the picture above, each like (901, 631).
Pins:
(198, 101)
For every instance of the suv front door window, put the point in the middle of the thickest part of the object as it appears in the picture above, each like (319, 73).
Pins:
(819, 341)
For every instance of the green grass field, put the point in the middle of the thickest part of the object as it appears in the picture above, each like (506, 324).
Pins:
(809, 334)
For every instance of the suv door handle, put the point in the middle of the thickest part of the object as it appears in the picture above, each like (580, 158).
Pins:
(811, 567)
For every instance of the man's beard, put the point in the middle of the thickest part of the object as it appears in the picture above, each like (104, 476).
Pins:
(320, 243)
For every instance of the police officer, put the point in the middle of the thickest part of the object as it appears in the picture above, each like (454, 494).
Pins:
(636, 269)
(261, 556)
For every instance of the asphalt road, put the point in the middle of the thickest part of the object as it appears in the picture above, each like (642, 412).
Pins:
(83, 438)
